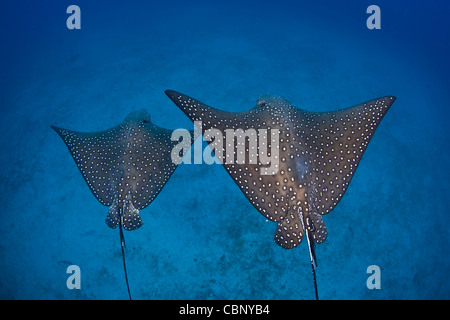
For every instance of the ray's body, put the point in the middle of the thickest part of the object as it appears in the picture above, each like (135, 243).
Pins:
(125, 167)
(318, 154)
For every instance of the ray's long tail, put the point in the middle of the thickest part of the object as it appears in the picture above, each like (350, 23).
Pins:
(122, 244)
(312, 255)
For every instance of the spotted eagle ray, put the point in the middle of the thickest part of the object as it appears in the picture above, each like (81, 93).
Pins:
(317, 154)
(125, 167)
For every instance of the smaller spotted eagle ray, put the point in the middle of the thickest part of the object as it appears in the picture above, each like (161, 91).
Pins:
(125, 167)
(318, 153)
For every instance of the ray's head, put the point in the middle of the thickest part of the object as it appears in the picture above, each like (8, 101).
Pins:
(139, 116)
(269, 101)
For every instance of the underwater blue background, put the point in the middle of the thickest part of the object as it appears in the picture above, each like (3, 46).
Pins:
(201, 238)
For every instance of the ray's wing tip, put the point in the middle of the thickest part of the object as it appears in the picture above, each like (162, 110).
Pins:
(176, 97)
(385, 101)
(172, 94)
(389, 100)
(58, 130)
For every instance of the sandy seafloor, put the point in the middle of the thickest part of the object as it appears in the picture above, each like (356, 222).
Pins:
(201, 238)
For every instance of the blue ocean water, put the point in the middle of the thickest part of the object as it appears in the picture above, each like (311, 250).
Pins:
(201, 238)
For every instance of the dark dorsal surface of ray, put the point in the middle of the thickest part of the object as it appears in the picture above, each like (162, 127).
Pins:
(125, 167)
(318, 155)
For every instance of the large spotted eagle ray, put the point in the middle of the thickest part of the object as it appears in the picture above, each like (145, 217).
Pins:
(316, 155)
(125, 167)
